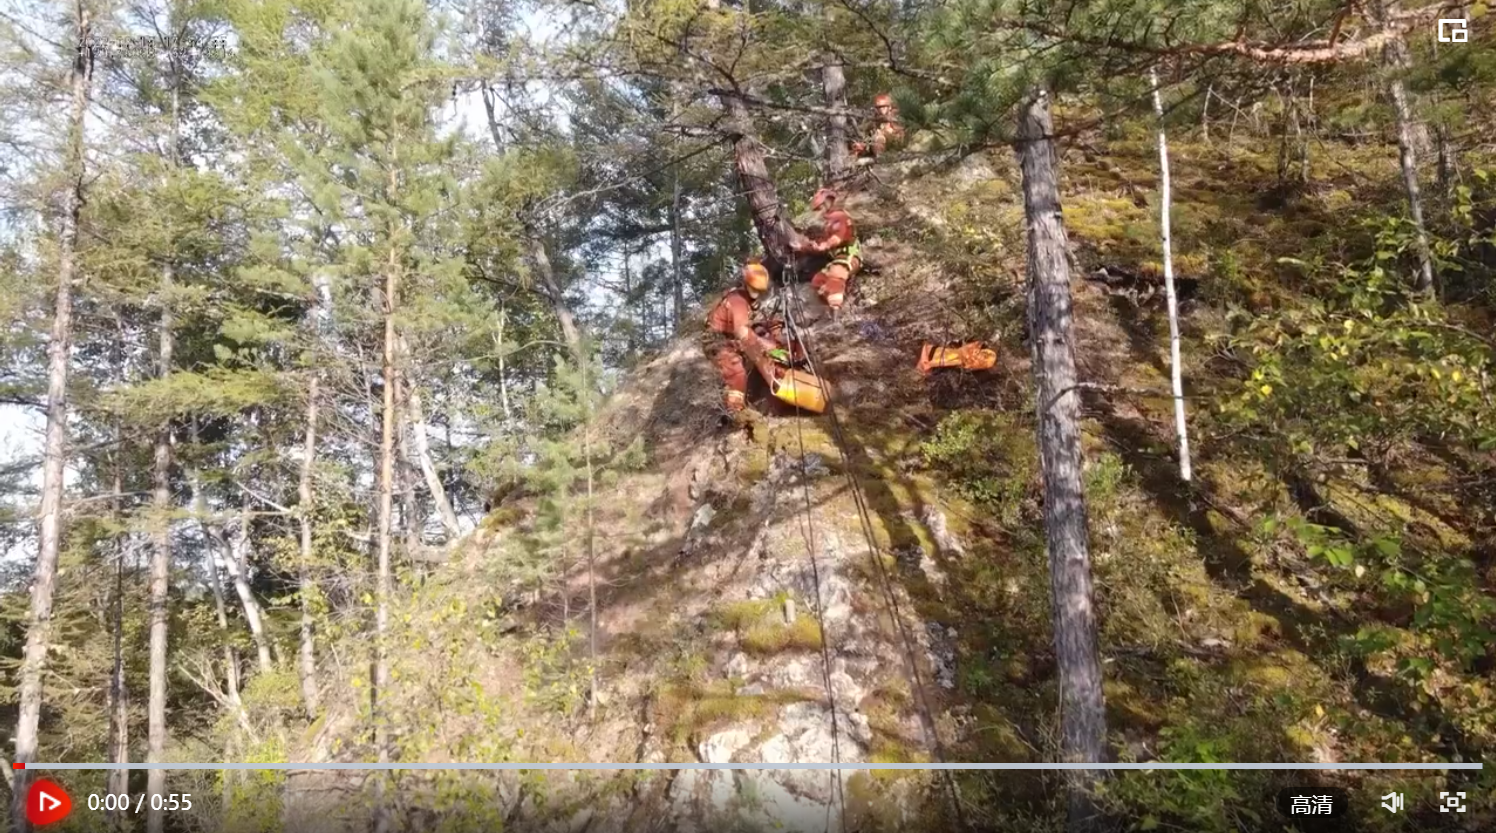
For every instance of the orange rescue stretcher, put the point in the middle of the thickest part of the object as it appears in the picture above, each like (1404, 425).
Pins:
(972, 355)
(798, 387)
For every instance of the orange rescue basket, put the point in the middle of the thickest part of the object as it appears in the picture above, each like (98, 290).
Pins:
(801, 389)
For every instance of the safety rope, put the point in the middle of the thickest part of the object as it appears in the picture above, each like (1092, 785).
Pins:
(807, 529)
(794, 308)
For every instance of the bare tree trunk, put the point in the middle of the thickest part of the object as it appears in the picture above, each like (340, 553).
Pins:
(1082, 709)
(677, 285)
(217, 543)
(155, 820)
(541, 263)
(1205, 113)
(834, 83)
(591, 554)
(774, 228)
(417, 421)
(1396, 56)
(308, 653)
(498, 346)
(236, 564)
(44, 583)
(1165, 198)
(119, 711)
(1445, 162)
(386, 510)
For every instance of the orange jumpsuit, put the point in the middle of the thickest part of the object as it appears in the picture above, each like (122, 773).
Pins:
(837, 240)
(884, 133)
(730, 335)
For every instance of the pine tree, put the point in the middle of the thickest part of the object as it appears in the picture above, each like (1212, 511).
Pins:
(38, 634)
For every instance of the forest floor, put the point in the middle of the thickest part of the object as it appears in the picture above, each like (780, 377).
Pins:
(1219, 643)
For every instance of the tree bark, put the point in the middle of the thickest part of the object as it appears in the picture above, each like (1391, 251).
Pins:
(155, 820)
(236, 565)
(307, 664)
(386, 510)
(834, 83)
(1165, 198)
(417, 421)
(1082, 709)
(775, 231)
(44, 583)
(498, 346)
(591, 553)
(1395, 54)
(218, 544)
(677, 285)
(118, 780)
(541, 263)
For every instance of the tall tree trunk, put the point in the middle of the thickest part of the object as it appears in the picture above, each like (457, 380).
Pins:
(155, 820)
(498, 346)
(43, 586)
(677, 286)
(834, 84)
(1082, 709)
(307, 665)
(119, 712)
(1395, 54)
(386, 511)
(775, 231)
(591, 552)
(1165, 198)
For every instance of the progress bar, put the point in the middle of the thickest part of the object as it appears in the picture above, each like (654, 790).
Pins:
(848, 766)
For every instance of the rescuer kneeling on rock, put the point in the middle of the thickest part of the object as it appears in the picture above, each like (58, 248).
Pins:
(886, 134)
(837, 240)
(732, 333)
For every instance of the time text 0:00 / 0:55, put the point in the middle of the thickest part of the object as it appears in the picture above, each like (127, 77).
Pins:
(111, 802)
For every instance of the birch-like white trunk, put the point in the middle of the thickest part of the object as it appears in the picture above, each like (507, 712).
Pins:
(1408, 142)
(307, 656)
(422, 443)
(155, 820)
(236, 565)
(1176, 373)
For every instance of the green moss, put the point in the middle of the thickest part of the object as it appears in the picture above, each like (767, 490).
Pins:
(739, 615)
(690, 711)
(768, 638)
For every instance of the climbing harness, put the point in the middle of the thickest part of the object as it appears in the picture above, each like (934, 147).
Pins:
(795, 333)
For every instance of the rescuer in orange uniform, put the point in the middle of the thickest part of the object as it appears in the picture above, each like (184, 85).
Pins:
(886, 129)
(837, 241)
(732, 333)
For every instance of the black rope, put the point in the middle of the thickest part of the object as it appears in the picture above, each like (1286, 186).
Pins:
(807, 529)
(855, 486)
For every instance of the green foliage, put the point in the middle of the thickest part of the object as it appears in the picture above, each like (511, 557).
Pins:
(988, 457)
(554, 680)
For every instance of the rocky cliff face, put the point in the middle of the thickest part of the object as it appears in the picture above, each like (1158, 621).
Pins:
(755, 608)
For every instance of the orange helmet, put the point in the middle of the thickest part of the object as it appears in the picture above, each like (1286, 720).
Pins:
(883, 100)
(756, 277)
(823, 196)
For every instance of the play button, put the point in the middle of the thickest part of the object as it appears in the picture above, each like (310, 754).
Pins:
(47, 802)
